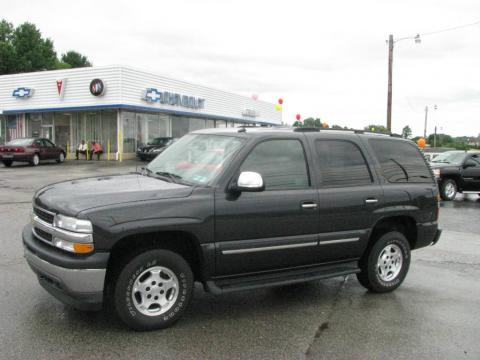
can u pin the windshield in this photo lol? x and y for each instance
(450, 157)
(195, 158)
(160, 141)
(20, 142)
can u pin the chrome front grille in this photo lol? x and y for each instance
(44, 215)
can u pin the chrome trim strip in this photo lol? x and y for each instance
(339, 241)
(60, 233)
(268, 248)
(41, 238)
(42, 209)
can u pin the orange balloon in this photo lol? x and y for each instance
(421, 142)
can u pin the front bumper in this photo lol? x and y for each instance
(76, 281)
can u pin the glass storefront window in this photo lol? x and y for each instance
(180, 126)
(220, 124)
(2, 130)
(196, 124)
(129, 135)
(209, 124)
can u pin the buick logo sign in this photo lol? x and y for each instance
(97, 87)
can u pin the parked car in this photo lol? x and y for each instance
(30, 150)
(457, 171)
(152, 149)
(234, 209)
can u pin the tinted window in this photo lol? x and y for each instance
(341, 163)
(281, 164)
(47, 143)
(400, 161)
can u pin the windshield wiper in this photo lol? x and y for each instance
(173, 177)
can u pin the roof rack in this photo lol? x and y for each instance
(355, 131)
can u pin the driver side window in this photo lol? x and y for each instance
(281, 163)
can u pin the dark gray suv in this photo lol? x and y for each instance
(234, 209)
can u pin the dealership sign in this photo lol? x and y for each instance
(22, 92)
(97, 87)
(250, 113)
(165, 97)
(61, 83)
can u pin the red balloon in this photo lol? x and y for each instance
(298, 117)
(280, 101)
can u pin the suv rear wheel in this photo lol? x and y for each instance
(153, 290)
(385, 265)
(448, 189)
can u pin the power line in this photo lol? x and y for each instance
(450, 29)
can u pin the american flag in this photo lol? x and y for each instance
(14, 128)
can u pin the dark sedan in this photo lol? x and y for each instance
(31, 151)
(153, 148)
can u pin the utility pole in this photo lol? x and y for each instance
(425, 128)
(435, 138)
(389, 96)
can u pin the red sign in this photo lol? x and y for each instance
(61, 87)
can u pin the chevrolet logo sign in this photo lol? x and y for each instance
(22, 92)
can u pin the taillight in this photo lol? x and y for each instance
(19, 149)
(2, 149)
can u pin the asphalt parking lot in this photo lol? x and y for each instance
(435, 314)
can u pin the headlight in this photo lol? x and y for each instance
(73, 224)
(436, 172)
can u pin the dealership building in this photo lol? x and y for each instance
(121, 107)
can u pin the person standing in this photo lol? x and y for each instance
(81, 149)
(96, 150)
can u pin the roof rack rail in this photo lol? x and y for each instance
(305, 129)
(355, 131)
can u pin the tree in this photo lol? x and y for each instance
(376, 128)
(7, 51)
(406, 132)
(75, 59)
(32, 52)
(23, 49)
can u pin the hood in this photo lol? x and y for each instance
(434, 165)
(151, 147)
(72, 197)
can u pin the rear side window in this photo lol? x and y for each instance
(341, 163)
(280, 162)
(401, 161)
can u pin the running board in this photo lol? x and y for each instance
(249, 282)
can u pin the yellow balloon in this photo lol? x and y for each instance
(278, 107)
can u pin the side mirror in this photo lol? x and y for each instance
(250, 181)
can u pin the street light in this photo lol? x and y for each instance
(390, 62)
(426, 116)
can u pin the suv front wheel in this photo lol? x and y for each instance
(385, 265)
(153, 290)
(448, 189)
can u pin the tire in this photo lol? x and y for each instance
(143, 268)
(7, 163)
(448, 189)
(393, 245)
(35, 160)
(61, 158)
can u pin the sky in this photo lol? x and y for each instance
(326, 59)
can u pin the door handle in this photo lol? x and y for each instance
(309, 205)
(371, 201)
